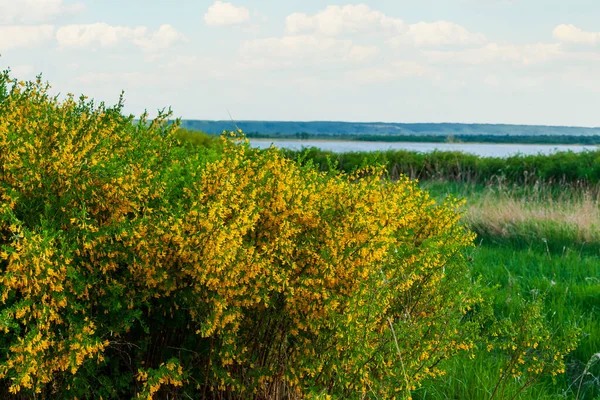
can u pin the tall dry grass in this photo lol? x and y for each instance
(505, 212)
(556, 217)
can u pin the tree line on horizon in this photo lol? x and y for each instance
(393, 131)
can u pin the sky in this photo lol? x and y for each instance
(484, 61)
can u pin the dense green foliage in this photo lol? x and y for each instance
(138, 261)
(197, 139)
(537, 242)
(135, 264)
(383, 129)
(561, 167)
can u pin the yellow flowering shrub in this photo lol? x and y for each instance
(528, 347)
(133, 266)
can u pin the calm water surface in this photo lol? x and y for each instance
(480, 149)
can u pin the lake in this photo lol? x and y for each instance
(479, 149)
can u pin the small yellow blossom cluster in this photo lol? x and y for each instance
(169, 374)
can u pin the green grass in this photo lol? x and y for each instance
(475, 379)
(543, 256)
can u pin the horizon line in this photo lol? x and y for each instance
(391, 123)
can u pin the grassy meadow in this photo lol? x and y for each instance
(535, 241)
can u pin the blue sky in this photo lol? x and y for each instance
(493, 61)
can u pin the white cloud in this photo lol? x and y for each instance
(162, 39)
(24, 36)
(223, 14)
(359, 53)
(351, 19)
(438, 33)
(35, 11)
(508, 82)
(291, 50)
(123, 79)
(22, 71)
(191, 66)
(572, 34)
(106, 35)
(581, 78)
(492, 80)
(337, 20)
(394, 71)
(500, 53)
(99, 33)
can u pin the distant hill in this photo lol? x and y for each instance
(381, 129)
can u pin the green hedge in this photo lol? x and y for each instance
(562, 167)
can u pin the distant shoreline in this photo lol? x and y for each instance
(403, 132)
(473, 139)
(482, 150)
(399, 142)
(398, 125)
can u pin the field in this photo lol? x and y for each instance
(537, 241)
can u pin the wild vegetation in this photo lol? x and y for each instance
(537, 220)
(135, 263)
(538, 241)
(561, 168)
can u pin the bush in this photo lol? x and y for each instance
(196, 138)
(134, 266)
